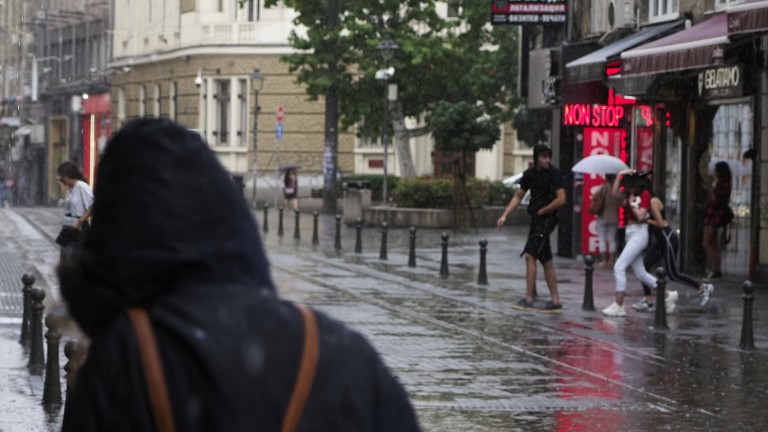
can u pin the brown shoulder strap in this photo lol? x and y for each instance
(306, 373)
(153, 370)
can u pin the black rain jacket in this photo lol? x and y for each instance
(172, 233)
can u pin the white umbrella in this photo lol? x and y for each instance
(737, 167)
(600, 164)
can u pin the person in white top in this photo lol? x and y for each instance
(78, 205)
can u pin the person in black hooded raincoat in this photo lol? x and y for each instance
(172, 233)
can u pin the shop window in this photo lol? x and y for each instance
(663, 10)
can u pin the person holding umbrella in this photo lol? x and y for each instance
(547, 195)
(291, 187)
(636, 207)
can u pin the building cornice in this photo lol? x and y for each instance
(206, 50)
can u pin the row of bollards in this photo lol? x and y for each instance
(383, 251)
(32, 338)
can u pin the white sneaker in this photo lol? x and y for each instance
(706, 293)
(669, 303)
(643, 306)
(615, 310)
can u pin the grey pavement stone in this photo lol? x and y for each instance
(469, 361)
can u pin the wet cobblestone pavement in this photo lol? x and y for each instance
(472, 363)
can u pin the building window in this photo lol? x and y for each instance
(453, 9)
(142, 101)
(120, 108)
(661, 10)
(156, 101)
(721, 4)
(172, 101)
(242, 97)
(204, 104)
(223, 99)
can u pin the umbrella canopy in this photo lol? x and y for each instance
(289, 166)
(600, 164)
(738, 168)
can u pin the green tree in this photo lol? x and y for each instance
(451, 60)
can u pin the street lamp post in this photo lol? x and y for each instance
(387, 47)
(258, 83)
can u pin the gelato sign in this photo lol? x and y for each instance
(721, 81)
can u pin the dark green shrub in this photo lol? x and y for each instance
(424, 193)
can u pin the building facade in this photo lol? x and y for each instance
(672, 86)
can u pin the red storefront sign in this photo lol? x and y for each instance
(610, 141)
(97, 110)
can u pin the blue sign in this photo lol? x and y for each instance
(279, 130)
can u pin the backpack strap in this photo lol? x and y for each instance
(153, 369)
(155, 377)
(306, 375)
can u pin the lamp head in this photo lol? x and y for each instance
(199, 78)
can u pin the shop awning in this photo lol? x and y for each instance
(747, 17)
(591, 67)
(696, 47)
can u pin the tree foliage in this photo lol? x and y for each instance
(463, 127)
(456, 61)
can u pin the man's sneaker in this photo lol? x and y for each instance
(524, 305)
(551, 308)
(706, 293)
(643, 306)
(669, 303)
(615, 310)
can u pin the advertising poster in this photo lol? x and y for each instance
(610, 141)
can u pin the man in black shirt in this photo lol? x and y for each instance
(547, 195)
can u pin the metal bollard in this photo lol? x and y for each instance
(482, 276)
(337, 243)
(75, 353)
(589, 300)
(265, 228)
(52, 386)
(280, 222)
(36, 355)
(383, 250)
(296, 233)
(28, 280)
(747, 339)
(444, 259)
(660, 319)
(412, 248)
(315, 238)
(358, 234)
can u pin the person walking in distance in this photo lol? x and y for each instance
(547, 188)
(715, 217)
(666, 248)
(78, 205)
(608, 222)
(636, 207)
(291, 188)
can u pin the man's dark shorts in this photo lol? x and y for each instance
(538, 237)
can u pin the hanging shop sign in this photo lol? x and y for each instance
(592, 115)
(529, 12)
(722, 81)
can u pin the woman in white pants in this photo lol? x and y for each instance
(636, 209)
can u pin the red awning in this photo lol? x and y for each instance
(747, 17)
(699, 46)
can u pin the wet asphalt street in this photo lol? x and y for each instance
(469, 361)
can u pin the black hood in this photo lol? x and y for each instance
(166, 215)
